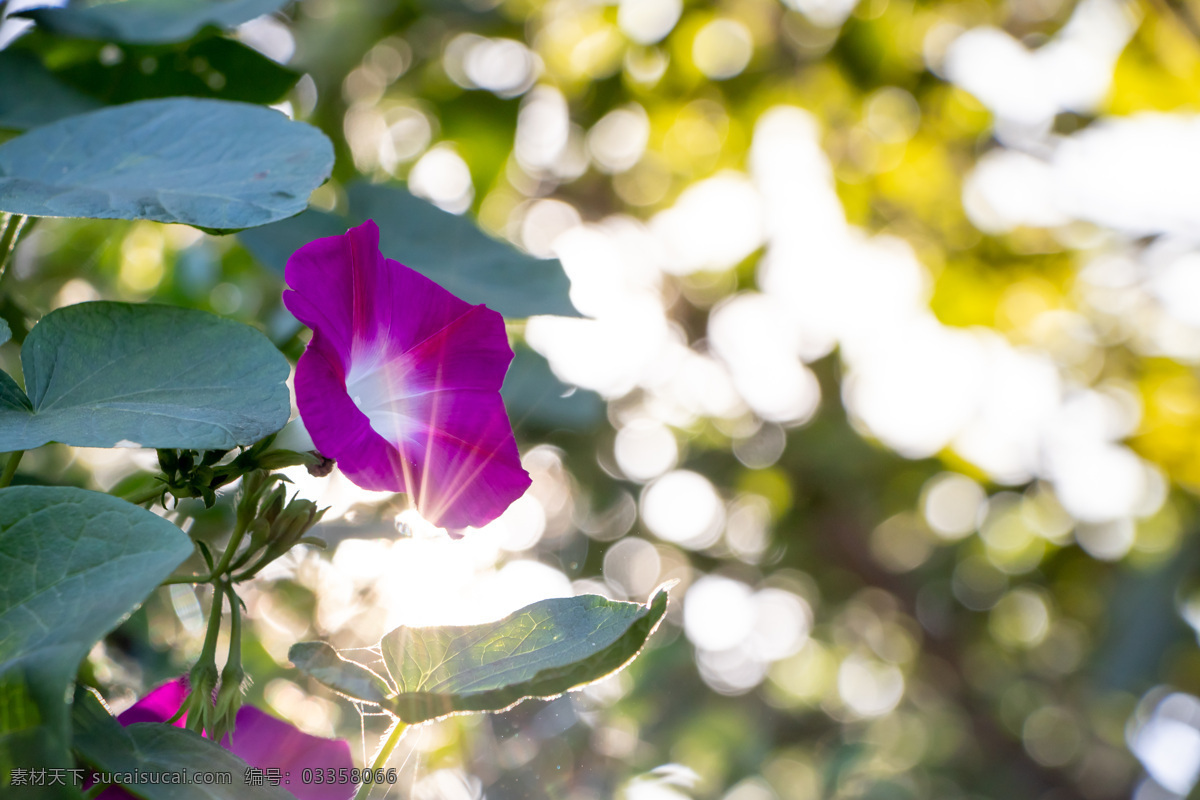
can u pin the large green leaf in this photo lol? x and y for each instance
(448, 248)
(31, 95)
(208, 163)
(146, 21)
(73, 564)
(99, 374)
(156, 748)
(542, 650)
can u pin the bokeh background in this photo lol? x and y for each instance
(889, 324)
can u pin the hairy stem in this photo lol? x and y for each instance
(394, 736)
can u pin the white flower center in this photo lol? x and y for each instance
(376, 386)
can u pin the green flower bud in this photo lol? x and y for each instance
(199, 704)
(273, 504)
(167, 462)
(229, 700)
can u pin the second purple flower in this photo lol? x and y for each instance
(400, 383)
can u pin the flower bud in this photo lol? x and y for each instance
(273, 503)
(199, 704)
(229, 700)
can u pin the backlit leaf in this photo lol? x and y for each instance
(322, 662)
(542, 650)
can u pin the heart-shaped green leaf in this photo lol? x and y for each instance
(542, 650)
(151, 747)
(217, 165)
(73, 563)
(101, 374)
(146, 21)
(448, 248)
(31, 95)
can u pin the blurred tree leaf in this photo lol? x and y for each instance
(73, 564)
(542, 650)
(147, 21)
(100, 373)
(5, 332)
(535, 396)
(157, 748)
(448, 248)
(31, 95)
(215, 67)
(209, 163)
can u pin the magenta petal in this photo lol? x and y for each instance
(338, 429)
(259, 739)
(471, 352)
(159, 705)
(266, 742)
(321, 301)
(345, 288)
(467, 470)
(400, 383)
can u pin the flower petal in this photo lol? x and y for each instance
(159, 705)
(343, 287)
(258, 739)
(266, 742)
(471, 352)
(452, 451)
(400, 383)
(337, 427)
(466, 468)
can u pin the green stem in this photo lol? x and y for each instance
(145, 495)
(235, 626)
(249, 572)
(203, 678)
(192, 579)
(209, 653)
(8, 240)
(235, 541)
(220, 569)
(394, 737)
(10, 469)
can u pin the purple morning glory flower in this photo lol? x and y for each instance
(401, 381)
(259, 739)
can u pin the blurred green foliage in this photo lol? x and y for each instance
(1019, 668)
